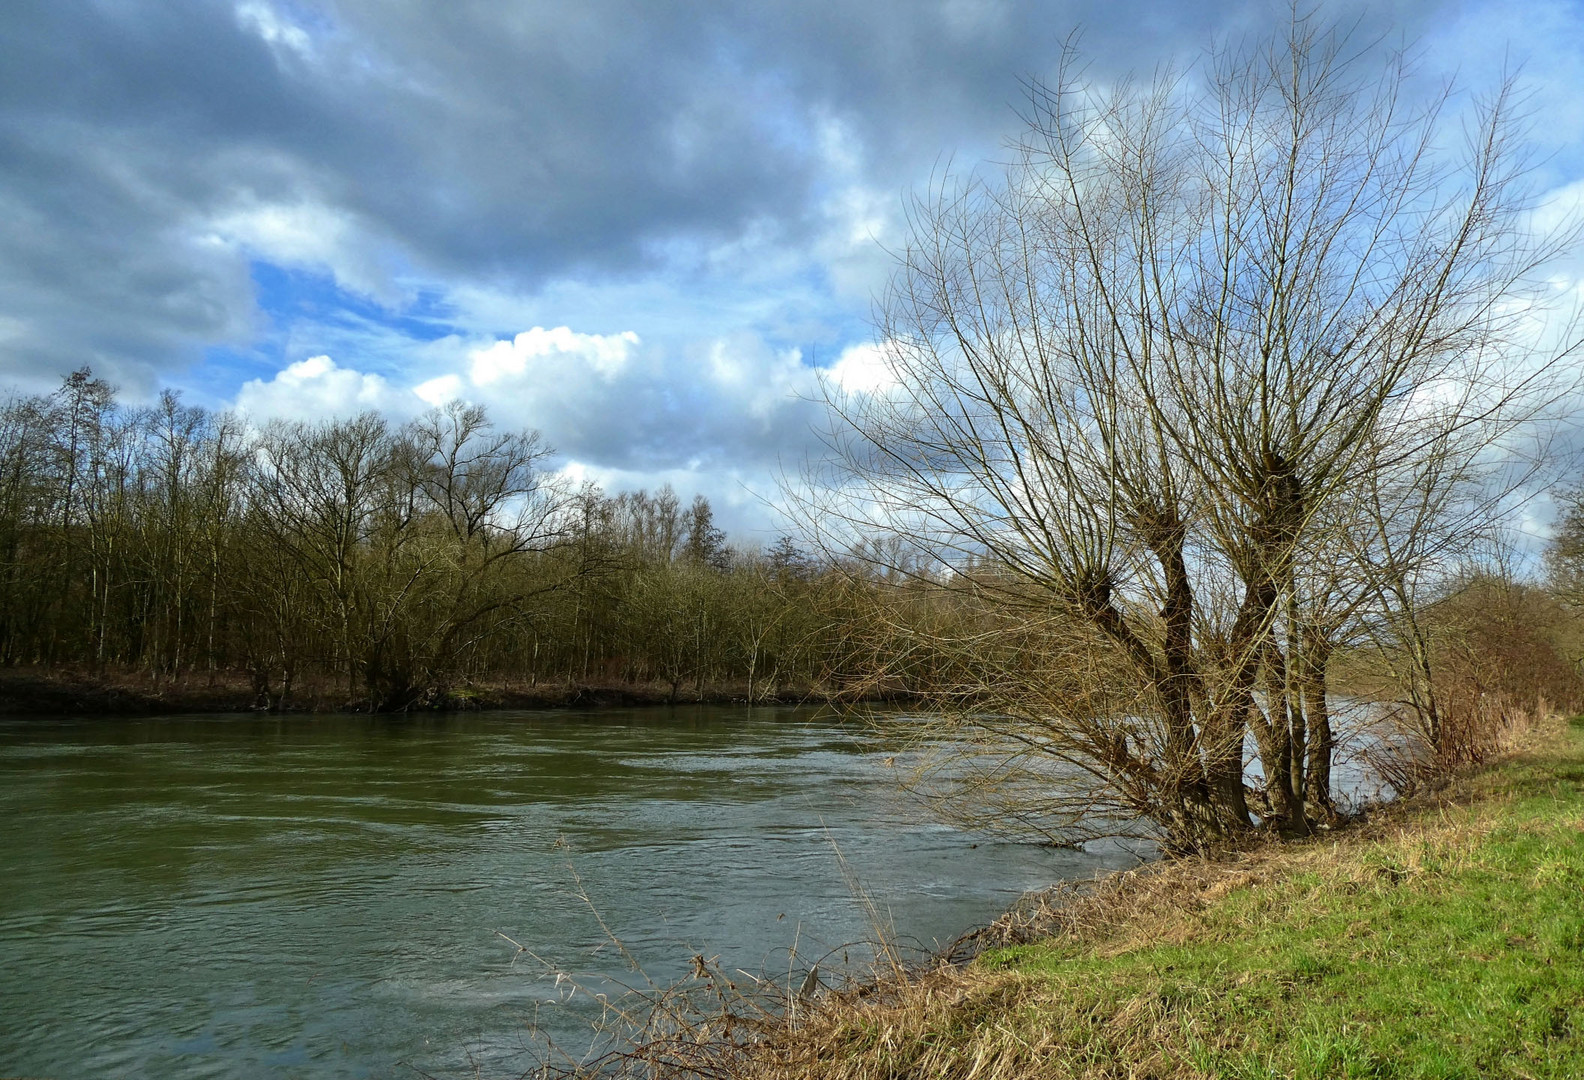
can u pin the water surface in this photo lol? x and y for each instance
(326, 896)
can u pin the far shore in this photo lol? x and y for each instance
(41, 691)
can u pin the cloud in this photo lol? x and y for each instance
(610, 401)
(151, 150)
(550, 352)
(209, 194)
(440, 390)
(276, 30)
(717, 416)
(862, 369)
(309, 234)
(318, 389)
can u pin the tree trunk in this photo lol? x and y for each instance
(1315, 657)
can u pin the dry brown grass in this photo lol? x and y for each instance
(997, 1018)
(972, 1021)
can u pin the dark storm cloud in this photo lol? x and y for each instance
(464, 141)
(562, 136)
(118, 128)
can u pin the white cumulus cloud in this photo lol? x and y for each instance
(862, 369)
(541, 351)
(317, 388)
(720, 416)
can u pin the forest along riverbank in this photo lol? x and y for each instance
(1442, 936)
(28, 691)
(332, 895)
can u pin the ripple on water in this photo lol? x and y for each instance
(325, 896)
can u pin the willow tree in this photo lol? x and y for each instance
(400, 547)
(1135, 384)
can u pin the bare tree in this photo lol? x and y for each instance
(1565, 553)
(498, 505)
(1142, 377)
(410, 564)
(409, 537)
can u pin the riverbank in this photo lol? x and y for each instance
(42, 691)
(1443, 937)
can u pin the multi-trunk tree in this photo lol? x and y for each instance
(1148, 388)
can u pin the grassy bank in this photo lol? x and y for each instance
(1441, 939)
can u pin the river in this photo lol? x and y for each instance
(332, 896)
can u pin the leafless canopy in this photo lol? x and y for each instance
(1153, 387)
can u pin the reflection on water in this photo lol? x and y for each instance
(325, 896)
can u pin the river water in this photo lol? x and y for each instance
(327, 896)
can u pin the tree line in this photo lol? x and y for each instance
(395, 564)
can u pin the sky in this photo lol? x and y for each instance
(643, 228)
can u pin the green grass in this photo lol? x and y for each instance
(1443, 939)
(1448, 944)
